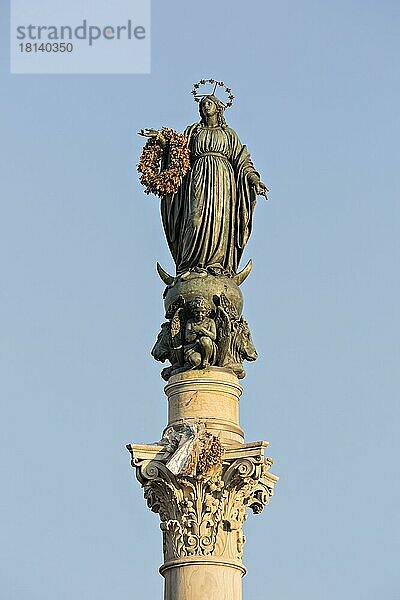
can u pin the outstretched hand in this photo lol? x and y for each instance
(146, 132)
(262, 190)
(153, 133)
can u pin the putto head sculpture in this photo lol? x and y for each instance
(199, 306)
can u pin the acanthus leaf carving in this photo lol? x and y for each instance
(204, 515)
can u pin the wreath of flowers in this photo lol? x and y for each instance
(216, 84)
(163, 183)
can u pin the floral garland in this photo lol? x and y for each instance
(168, 181)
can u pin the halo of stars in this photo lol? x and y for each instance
(217, 84)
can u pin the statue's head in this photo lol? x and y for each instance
(199, 307)
(209, 106)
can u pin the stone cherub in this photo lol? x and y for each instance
(195, 336)
(200, 348)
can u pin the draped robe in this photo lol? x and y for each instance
(208, 221)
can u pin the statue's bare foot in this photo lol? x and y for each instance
(199, 272)
(193, 274)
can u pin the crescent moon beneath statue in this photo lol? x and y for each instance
(243, 274)
(165, 277)
(238, 278)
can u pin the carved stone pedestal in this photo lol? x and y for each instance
(203, 505)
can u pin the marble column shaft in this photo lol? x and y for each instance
(202, 516)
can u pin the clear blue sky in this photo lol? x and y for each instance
(317, 86)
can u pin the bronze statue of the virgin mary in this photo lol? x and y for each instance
(208, 220)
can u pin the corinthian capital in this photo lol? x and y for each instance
(202, 514)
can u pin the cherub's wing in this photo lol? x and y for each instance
(179, 302)
(228, 307)
(223, 325)
(176, 330)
